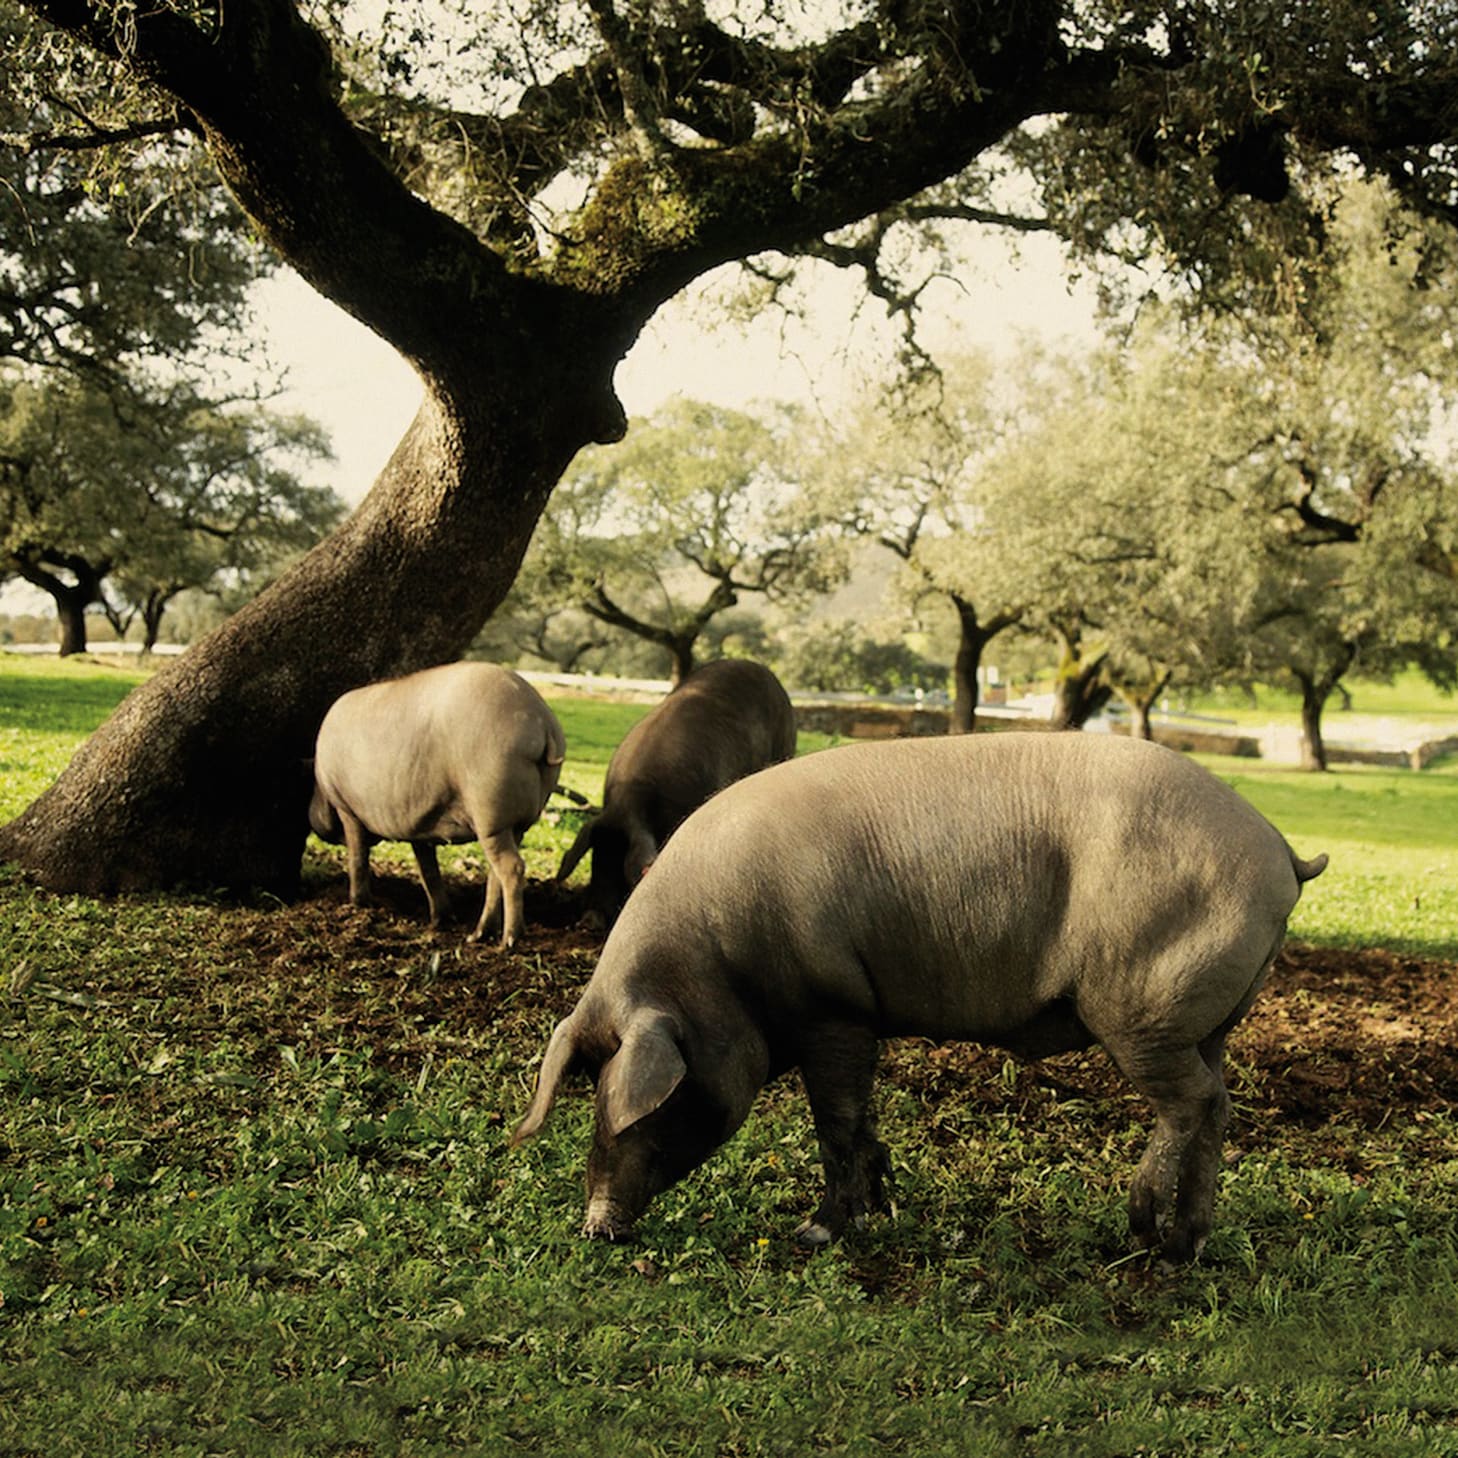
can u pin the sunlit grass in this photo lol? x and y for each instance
(1392, 836)
(1408, 696)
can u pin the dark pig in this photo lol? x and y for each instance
(466, 751)
(1039, 892)
(725, 720)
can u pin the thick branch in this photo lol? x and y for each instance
(639, 104)
(256, 85)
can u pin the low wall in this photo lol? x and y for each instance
(871, 721)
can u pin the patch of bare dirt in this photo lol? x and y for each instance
(1356, 1036)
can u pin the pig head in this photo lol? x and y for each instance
(1038, 892)
(466, 751)
(726, 720)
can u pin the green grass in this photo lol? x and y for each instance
(1408, 696)
(256, 1196)
(1392, 836)
(263, 1203)
(47, 707)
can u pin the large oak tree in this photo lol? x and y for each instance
(513, 247)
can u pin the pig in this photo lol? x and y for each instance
(465, 751)
(1037, 892)
(724, 721)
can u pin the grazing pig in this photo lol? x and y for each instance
(1039, 892)
(466, 751)
(724, 721)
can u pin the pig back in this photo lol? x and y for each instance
(429, 755)
(958, 887)
(726, 720)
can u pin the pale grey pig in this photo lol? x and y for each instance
(725, 720)
(1040, 892)
(466, 751)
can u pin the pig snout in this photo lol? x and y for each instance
(607, 1220)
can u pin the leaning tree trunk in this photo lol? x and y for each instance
(201, 776)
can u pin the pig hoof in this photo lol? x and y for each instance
(812, 1235)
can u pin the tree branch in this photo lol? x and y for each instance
(639, 105)
(93, 138)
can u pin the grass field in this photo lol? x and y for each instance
(256, 1194)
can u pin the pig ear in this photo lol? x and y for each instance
(580, 847)
(647, 1067)
(561, 1050)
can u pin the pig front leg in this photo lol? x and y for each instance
(838, 1065)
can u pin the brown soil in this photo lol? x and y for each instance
(1355, 1037)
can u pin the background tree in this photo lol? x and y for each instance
(839, 655)
(661, 535)
(512, 246)
(224, 513)
(160, 494)
(907, 473)
(1352, 459)
(63, 521)
(1109, 515)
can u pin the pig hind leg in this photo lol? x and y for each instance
(430, 877)
(838, 1064)
(1172, 1199)
(357, 845)
(505, 886)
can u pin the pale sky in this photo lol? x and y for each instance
(365, 396)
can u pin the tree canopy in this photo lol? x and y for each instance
(155, 495)
(1238, 499)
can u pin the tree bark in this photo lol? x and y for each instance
(71, 599)
(1314, 694)
(681, 659)
(1140, 703)
(71, 615)
(152, 611)
(1313, 746)
(1316, 688)
(1079, 691)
